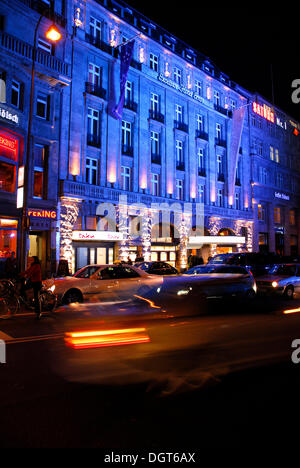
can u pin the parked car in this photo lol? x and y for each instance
(157, 268)
(224, 280)
(282, 279)
(104, 282)
(258, 263)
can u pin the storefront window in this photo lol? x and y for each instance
(8, 237)
(7, 177)
(38, 184)
(9, 148)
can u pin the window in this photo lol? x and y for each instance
(128, 92)
(217, 98)
(155, 145)
(91, 171)
(15, 93)
(177, 76)
(93, 130)
(198, 87)
(261, 213)
(279, 180)
(200, 122)
(263, 175)
(292, 218)
(8, 162)
(277, 155)
(153, 62)
(154, 102)
(271, 153)
(277, 214)
(179, 189)
(201, 161)
(43, 106)
(126, 137)
(40, 158)
(237, 201)
(179, 152)
(94, 75)
(220, 197)
(219, 164)
(8, 237)
(125, 178)
(44, 46)
(154, 184)
(178, 113)
(95, 29)
(201, 193)
(218, 131)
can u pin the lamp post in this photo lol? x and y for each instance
(54, 35)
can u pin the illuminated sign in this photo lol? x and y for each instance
(264, 111)
(282, 196)
(280, 123)
(180, 88)
(97, 235)
(40, 213)
(9, 147)
(8, 116)
(225, 240)
(20, 197)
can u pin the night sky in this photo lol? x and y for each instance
(246, 45)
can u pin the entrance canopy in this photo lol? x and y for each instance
(198, 241)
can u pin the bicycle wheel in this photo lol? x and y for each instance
(9, 305)
(48, 301)
(6, 288)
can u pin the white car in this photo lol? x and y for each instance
(102, 282)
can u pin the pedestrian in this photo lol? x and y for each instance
(11, 267)
(34, 276)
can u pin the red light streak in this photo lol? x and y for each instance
(102, 338)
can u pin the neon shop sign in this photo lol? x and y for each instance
(264, 111)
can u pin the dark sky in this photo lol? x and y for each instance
(244, 41)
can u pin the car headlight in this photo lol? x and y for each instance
(274, 284)
(52, 288)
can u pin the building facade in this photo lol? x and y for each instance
(170, 151)
(19, 22)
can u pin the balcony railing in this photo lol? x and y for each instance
(96, 42)
(221, 177)
(220, 142)
(180, 165)
(202, 135)
(23, 49)
(130, 104)
(155, 115)
(201, 172)
(93, 140)
(95, 90)
(181, 126)
(156, 158)
(221, 109)
(127, 150)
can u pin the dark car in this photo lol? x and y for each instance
(157, 268)
(258, 263)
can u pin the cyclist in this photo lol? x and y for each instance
(34, 275)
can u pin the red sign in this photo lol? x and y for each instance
(39, 213)
(264, 111)
(9, 147)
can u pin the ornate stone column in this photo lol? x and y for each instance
(69, 209)
(146, 234)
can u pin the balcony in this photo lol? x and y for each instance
(93, 140)
(131, 105)
(202, 135)
(127, 150)
(180, 165)
(221, 177)
(201, 172)
(221, 109)
(155, 115)
(181, 126)
(96, 42)
(156, 158)
(95, 90)
(220, 142)
(25, 50)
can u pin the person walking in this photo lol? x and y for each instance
(11, 267)
(34, 276)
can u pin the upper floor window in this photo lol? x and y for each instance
(218, 131)
(91, 170)
(154, 102)
(177, 75)
(154, 184)
(155, 145)
(201, 193)
(261, 212)
(198, 87)
(179, 189)
(178, 113)
(43, 106)
(277, 214)
(95, 28)
(237, 201)
(201, 160)
(126, 133)
(40, 160)
(93, 130)
(16, 94)
(220, 197)
(94, 74)
(179, 152)
(125, 178)
(200, 122)
(217, 100)
(154, 62)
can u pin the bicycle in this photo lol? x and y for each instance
(11, 298)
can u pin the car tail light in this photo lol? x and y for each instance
(101, 338)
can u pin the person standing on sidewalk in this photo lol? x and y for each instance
(34, 275)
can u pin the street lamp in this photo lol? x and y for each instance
(54, 35)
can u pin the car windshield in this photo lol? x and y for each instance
(86, 272)
(143, 266)
(283, 270)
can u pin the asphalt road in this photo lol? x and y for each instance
(221, 380)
